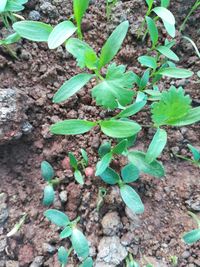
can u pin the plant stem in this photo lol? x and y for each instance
(194, 7)
(143, 23)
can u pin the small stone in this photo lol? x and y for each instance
(47, 248)
(3, 243)
(27, 127)
(3, 208)
(111, 223)
(26, 254)
(186, 254)
(34, 15)
(63, 196)
(12, 264)
(37, 262)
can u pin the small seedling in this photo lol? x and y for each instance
(130, 262)
(174, 260)
(194, 235)
(78, 165)
(70, 230)
(195, 155)
(109, 5)
(11, 39)
(17, 226)
(101, 195)
(48, 175)
(8, 9)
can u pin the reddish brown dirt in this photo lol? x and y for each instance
(39, 73)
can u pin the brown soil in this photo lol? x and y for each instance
(38, 73)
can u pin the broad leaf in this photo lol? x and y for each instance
(164, 14)
(3, 5)
(66, 232)
(79, 8)
(33, 30)
(115, 88)
(170, 28)
(144, 80)
(192, 236)
(167, 52)
(131, 199)
(60, 34)
(78, 177)
(12, 38)
(79, 243)
(13, 6)
(191, 117)
(119, 128)
(165, 3)
(195, 152)
(72, 127)
(152, 29)
(57, 217)
(104, 149)
(109, 176)
(47, 171)
(171, 108)
(62, 256)
(149, 3)
(148, 61)
(120, 147)
(49, 195)
(130, 173)
(87, 262)
(103, 164)
(154, 168)
(84, 54)
(113, 44)
(71, 87)
(157, 145)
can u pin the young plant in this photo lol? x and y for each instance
(101, 195)
(78, 165)
(130, 262)
(70, 230)
(8, 9)
(194, 235)
(109, 5)
(11, 39)
(195, 155)
(48, 175)
(17, 226)
(195, 6)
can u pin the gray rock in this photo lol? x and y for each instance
(48, 248)
(63, 196)
(2, 263)
(12, 264)
(3, 208)
(48, 8)
(26, 128)
(110, 251)
(111, 223)
(194, 202)
(34, 15)
(186, 254)
(3, 243)
(37, 262)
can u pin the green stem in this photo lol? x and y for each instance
(194, 216)
(143, 23)
(55, 181)
(194, 7)
(98, 75)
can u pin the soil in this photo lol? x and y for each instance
(38, 73)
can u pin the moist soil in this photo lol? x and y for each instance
(38, 73)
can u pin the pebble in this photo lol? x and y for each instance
(3, 208)
(111, 223)
(37, 262)
(47, 248)
(186, 254)
(63, 196)
(34, 15)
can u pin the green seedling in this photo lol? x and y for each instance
(174, 260)
(79, 243)
(101, 195)
(48, 175)
(195, 155)
(17, 226)
(11, 39)
(195, 6)
(8, 9)
(78, 165)
(130, 262)
(194, 235)
(109, 5)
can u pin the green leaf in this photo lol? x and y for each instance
(103, 164)
(104, 149)
(73, 161)
(113, 44)
(148, 61)
(154, 168)
(152, 29)
(79, 8)
(49, 195)
(165, 3)
(84, 155)
(195, 152)
(60, 34)
(12, 38)
(115, 88)
(84, 54)
(149, 3)
(109, 176)
(157, 145)
(190, 118)
(33, 30)
(79, 243)
(47, 171)
(130, 173)
(13, 6)
(119, 128)
(78, 177)
(144, 80)
(171, 108)
(167, 52)
(192, 236)
(66, 232)
(57, 217)
(164, 14)
(71, 87)
(68, 127)
(120, 147)
(62, 256)
(87, 262)
(170, 28)
(131, 199)
(3, 5)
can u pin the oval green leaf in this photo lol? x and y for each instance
(175, 73)
(3, 5)
(167, 52)
(130, 173)
(109, 176)
(62, 256)
(164, 14)
(49, 195)
(148, 61)
(192, 236)
(57, 217)
(66, 232)
(103, 163)
(78, 177)
(87, 263)
(152, 29)
(79, 243)
(47, 171)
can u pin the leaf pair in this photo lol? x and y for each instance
(12, 5)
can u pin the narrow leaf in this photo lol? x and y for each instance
(3, 5)
(66, 232)
(73, 161)
(170, 28)
(195, 152)
(152, 29)
(49, 195)
(78, 177)
(120, 147)
(167, 52)
(192, 236)
(87, 262)
(104, 149)
(175, 73)
(164, 14)
(62, 256)
(103, 164)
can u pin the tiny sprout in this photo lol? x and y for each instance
(130, 262)
(101, 195)
(194, 235)
(195, 156)
(174, 260)
(17, 226)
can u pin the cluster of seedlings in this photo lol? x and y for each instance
(112, 91)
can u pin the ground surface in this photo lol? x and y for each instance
(38, 73)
